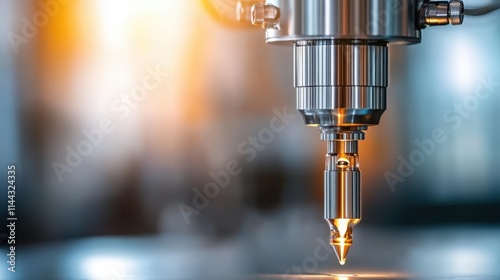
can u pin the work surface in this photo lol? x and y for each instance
(445, 253)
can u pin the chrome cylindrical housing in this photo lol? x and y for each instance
(342, 181)
(381, 20)
(341, 56)
(341, 82)
(342, 194)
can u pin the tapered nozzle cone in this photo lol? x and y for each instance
(341, 252)
(341, 236)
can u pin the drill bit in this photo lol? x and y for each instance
(342, 188)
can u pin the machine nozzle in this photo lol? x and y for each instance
(341, 75)
(342, 187)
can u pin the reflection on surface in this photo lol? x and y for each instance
(454, 256)
(335, 276)
(106, 267)
(379, 275)
(366, 276)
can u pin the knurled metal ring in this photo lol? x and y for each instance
(456, 12)
(346, 136)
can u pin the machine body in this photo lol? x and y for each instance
(341, 78)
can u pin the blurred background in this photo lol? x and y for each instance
(181, 89)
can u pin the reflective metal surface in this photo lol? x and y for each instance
(265, 15)
(342, 194)
(341, 87)
(441, 13)
(341, 83)
(341, 78)
(342, 181)
(387, 20)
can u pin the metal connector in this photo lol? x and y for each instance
(265, 15)
(244, 10)
(441, 13)
(456, 12)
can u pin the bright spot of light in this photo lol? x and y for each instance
(120, 19)
(342, 276)
(468, 260)
(433, 257)
(465, 62)
(368, 275)
(106, 267)
(114, 15)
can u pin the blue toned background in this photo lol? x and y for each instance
(184, 89)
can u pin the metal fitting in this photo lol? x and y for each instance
(244, 10)
(337, 133)
(341, 82)
(456, 12)
(441, 13)
(265, 15)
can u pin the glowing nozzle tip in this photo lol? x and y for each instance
(341, 237)
(341, 251)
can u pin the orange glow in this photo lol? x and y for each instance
(341, 236)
